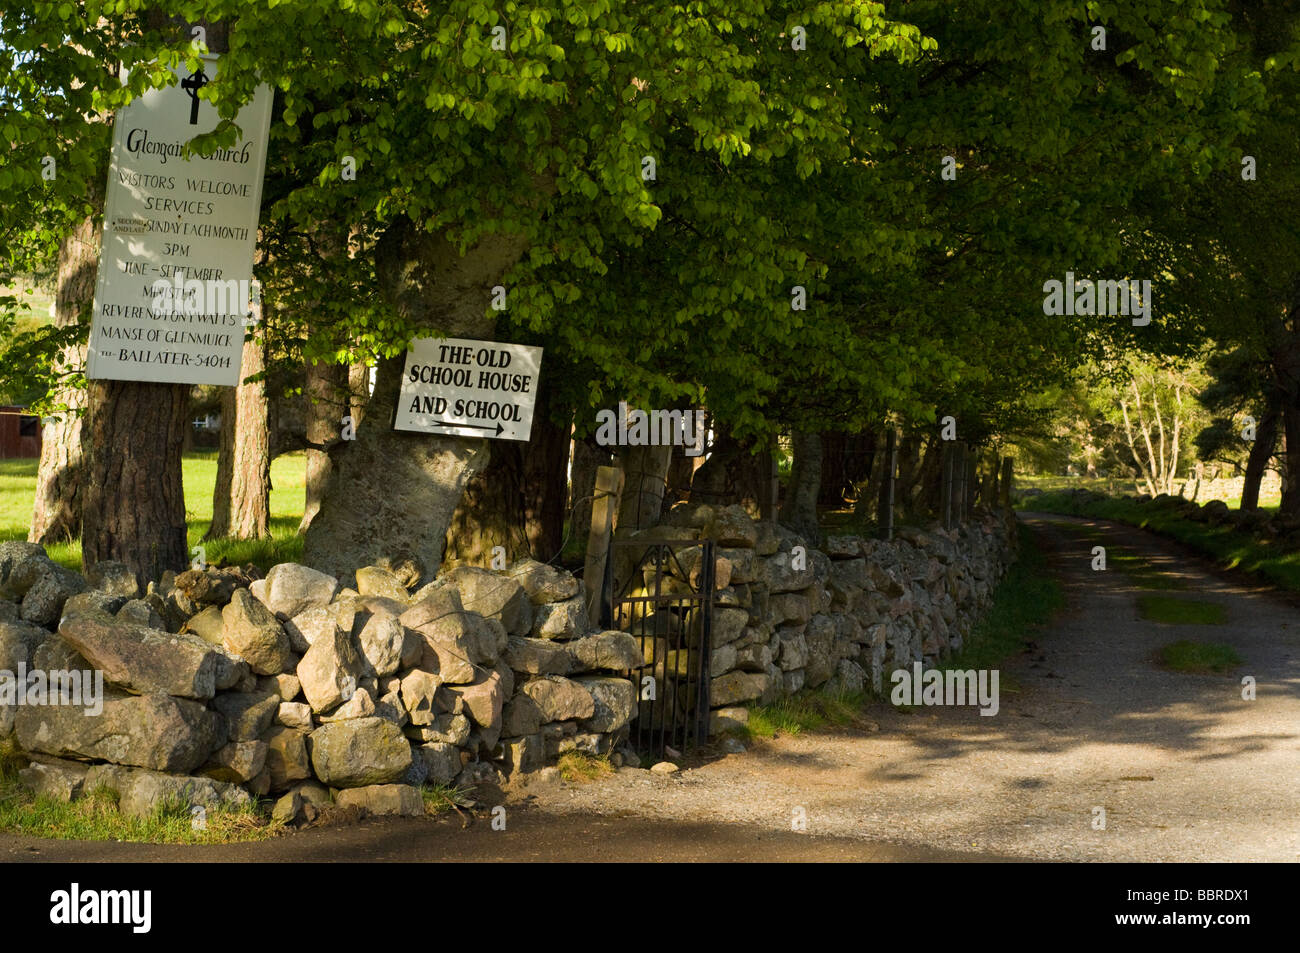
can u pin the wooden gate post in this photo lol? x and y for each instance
(885, 509)
(609, 487)
(1006, 483)
(945, 484)
(972, 485)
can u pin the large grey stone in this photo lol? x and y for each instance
(286, 757)
(359, 752)
(149, 731)
(377, 581)
(330, 671)
(441, 761)
(561, 620)
(403, 800)
(58, 780)
(381, 639)
(482, 700)
(780, 574)
(292, 589)
(252, 632)
(735, 687)
(21, 565)
(520, 716)
(560, 699)
(144, 660)
(544, 583)
(418, 691)
(491, 594)
(248, 714)
(609, 650)
(142, 792)
(238, 762)
(540, 657)
(43, 602)
(613, 700)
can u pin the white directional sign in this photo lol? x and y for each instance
(176, 266)
(469, 388)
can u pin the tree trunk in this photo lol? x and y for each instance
(516, 501)
(732, 474)
(134, 508)
(645, 476)
(1261, 452)
(220, 527)
(582, 486)
(326, 408)
(60, 478)
(358, 390)
(392, 494)
(241, 500)
(1291, 478)
(799, 511)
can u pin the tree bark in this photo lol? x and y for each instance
(1291, 478)
(799, 512)
(732, 474)
(1261, 452)
(134, 508)
(241, 504)
(326, 408)
(582, 485)
(60, 478)
(516, 501)
(392, 494)
(645, 473)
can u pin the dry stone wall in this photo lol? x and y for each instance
(788, 615)
(219, 685)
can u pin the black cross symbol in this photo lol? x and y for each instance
(192, 85)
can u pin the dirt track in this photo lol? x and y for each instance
(1185, 769)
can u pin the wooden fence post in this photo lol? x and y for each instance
(609, 487)
(885, 509)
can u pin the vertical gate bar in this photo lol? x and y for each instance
(654, 606)
(706, 645)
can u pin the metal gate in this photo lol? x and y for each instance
(662, 594)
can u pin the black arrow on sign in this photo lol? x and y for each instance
(449, 423)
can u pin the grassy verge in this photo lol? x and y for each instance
(1199, 658)
(806, 711)
(1173, 611)
(199, 472)
(576, 766)
(440, 798)
(1024, 601)
(95, 816)
(1228, 546)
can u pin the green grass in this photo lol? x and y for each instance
(1198, 657)
(1024, 601)
(199, 472)
(441, 798)
(1229, 547)
(1139, 571)
(1181, 611)
(1114, 486)
(95, 816)
(578, 767)
(805, 711)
